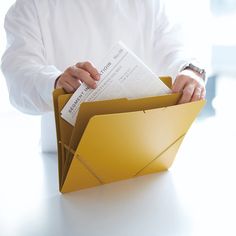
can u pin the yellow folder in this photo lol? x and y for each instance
(120, 138)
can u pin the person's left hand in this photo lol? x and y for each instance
(191, 85)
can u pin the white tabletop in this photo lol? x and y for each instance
(195, 197)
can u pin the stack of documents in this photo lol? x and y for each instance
(123, 75)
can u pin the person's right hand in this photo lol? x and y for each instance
(73, 76)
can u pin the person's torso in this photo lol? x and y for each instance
(84, 30)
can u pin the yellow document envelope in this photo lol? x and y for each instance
(120, 139)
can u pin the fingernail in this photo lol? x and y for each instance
(95, 86)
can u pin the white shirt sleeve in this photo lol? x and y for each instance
(30, 79)
(169, 42)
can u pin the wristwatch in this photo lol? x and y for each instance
(196, 69)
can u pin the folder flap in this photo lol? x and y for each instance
(56, 94)
(164, 160)
(166, 80)
(78, 177)
(90, 109)
(63, 129)
(117, 146)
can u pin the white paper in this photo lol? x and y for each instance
(123, 74)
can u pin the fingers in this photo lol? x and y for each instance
(68, 87)
(191, 89)
(82, 75)
(87, 66)
(197, 94)
(71, 79)
(192, 93)
(179, 84)
(187, 93)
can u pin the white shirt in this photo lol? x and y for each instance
(46, 36)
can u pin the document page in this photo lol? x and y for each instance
(123, 75)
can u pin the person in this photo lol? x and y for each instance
(57, 44)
